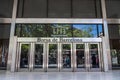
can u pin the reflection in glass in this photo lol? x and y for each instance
(24, 59)
(6, 7)
(66, 55)
(52, 56)
(38, 58)
(3, 54)
(59, 9)
(84, 30)
(58, 30)
(61, 30)
(94, 55)
(115, 54)
(86, 9)
(31, 30)
(32, 9)
(112, 8)
(80, 51)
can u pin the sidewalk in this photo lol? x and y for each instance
(111, 75)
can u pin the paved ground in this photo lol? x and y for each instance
(111, 75)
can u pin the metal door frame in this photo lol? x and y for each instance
(75, 58)
(100, 58)
(61, 62)
(87, 58)
(18, 57)
(44, 58)
(33, 41)
(47, 58)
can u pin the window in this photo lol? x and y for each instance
(4, 44)
(114, 31)
(4, 31)
(59, 8)
(86, 9)
(114, 37)
(6, 7)
(58, 30)
(32, 9)
(80, 30)
(113, 8)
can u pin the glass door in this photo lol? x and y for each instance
(94, 57)
(39, 55)
(52, 57)
(80, 57)
(87, 57)
(24, 57)
(66, 57)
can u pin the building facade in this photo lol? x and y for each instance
(59, 35)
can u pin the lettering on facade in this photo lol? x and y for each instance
(61, 40)
(70, 40)
(59, 31)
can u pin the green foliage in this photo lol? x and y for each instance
(41, 30)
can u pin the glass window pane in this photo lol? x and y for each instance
(38, 56)
(80, 55)
(85, 30)
(25, 53)
(58, 30)
(86, 9)
(114, 38)
(43, 30)
(53, 56)
(4, 31)
(66, 56)
(6, 7)
(4, 44)
(114, 31)
(30, 30)
(115, 58)
(113, 8)
(100, 30)
(32, 8)
(94, 56)
(59, 8)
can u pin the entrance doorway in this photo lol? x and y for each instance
(88, 57)
(35, 56)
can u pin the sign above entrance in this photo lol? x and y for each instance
(60, 40)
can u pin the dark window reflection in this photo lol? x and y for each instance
(59, 8)
(58, 30)
(53, 53)
(3, 53)
(86, 8)
(4, 44)
(32, 9)
(6, 7)
(113, 8)
(115, 54)
(114, 38)
(80, 55)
